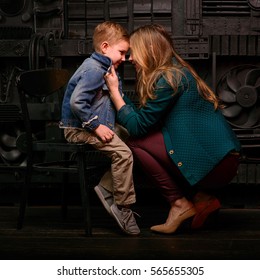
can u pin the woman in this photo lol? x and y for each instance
(179, 136)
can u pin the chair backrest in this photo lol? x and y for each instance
(42, 82)
(38, 83)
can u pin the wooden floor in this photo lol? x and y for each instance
(233, 234)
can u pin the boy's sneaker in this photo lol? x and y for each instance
(125, 219)
(105, 197)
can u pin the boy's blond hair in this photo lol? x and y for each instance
(109, 31)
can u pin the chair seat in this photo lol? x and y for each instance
(69, 166)
(60, 145)
(94, 157)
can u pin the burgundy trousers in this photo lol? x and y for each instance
(150, 153)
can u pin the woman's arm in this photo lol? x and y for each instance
(139, 122)
(113, 85)
(151, 116)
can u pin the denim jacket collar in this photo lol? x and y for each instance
(104, 60)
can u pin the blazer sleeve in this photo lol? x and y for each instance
(139, 122)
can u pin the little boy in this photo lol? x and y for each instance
(88, 116)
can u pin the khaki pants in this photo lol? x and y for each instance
(118, 180)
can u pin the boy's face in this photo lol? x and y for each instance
(116, 52)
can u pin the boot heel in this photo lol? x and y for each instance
(186, 225)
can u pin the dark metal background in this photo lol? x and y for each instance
(219, 38)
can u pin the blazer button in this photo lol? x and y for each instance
(179, 163)
(171, 152)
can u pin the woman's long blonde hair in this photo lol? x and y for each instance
(153, 51)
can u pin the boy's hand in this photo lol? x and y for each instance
(104, 133)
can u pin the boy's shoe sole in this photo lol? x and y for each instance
(105, 197)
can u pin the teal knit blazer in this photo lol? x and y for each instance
(196, 136)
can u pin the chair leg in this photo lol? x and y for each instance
(64, 197)
(84, 193)
(23, 198)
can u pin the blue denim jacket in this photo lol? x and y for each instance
(86, 102)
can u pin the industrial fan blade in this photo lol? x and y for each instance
(253, 117)
(8, 140)
(239, 91)
(8, 145)
(10, 156)
(240, 120)
(227, 96)
(232, 111)
(252, 77)
(232, 81)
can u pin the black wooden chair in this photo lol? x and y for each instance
(41, 84)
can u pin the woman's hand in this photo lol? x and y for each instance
(112, 80)
(113, 86)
